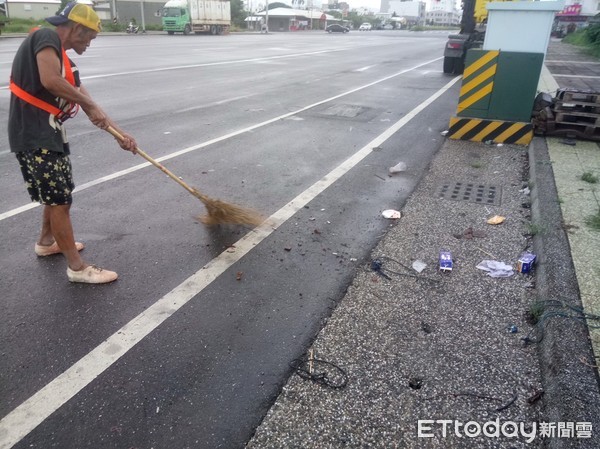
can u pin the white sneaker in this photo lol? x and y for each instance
(92, 275)
(43, 251)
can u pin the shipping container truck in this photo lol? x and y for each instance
(198, 16)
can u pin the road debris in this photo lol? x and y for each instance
(320, 372)
(419, 265)
(399, 167)
(496, 220)
(525, 262)
(470, 233)
(445, 261)
(495, 268)
(391, 214)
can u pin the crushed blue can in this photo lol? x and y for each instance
(525, 262)
(445, 261)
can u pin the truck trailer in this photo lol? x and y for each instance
(198, 16)
(472, 35)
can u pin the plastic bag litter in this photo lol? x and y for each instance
(419, 265)
(391, 213)
(399, 167)
(496, 269)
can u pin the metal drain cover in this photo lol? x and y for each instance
(344, 110)
(472, 192)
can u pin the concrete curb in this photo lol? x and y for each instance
(571, 384)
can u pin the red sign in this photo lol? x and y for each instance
(323, 17)
(571, 10)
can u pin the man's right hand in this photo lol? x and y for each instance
(97, 116)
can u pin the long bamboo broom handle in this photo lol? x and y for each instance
(157, 164)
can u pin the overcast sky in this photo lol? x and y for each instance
(373, 5)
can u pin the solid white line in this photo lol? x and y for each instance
(363, 69)
(27, 416)
(216, 103)
(556, 75)
(18, 210)
(569, 62)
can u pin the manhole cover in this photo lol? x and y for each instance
(344, 110)
(470, 191)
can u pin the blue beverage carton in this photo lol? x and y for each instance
(445, 261)
(525, 262)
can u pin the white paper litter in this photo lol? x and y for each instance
(496, 269)
(391, 213)
(399, 167)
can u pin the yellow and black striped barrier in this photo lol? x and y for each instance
(478, 84)
(491, 105)
(483, 130)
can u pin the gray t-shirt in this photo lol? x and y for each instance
(30, 127)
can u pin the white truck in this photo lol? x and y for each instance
(199, 16)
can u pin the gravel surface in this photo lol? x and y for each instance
(435, 345)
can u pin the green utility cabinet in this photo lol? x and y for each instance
(499, 85)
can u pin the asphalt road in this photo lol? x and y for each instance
(191, 345)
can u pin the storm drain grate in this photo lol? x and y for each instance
(470, 191)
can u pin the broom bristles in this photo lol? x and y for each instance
(220, 212)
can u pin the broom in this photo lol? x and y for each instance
(218, 212)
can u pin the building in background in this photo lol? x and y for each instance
(287, 19)
(384, 7)
(412, 11)
(443, 13)
(31, 9)
(575, 14)
(140, 12)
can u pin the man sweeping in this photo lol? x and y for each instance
(46, 91)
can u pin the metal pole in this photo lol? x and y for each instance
(267, 17)
(143, 19)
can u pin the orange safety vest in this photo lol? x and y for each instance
(60, 114)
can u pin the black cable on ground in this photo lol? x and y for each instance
(321, 372)
(377, 267)
(557, 309)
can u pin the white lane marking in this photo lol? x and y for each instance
(547, 61)
(363, 69)
(216, 103)
(557, 75)
(118, 174)
(205, 64)
(27, 416)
